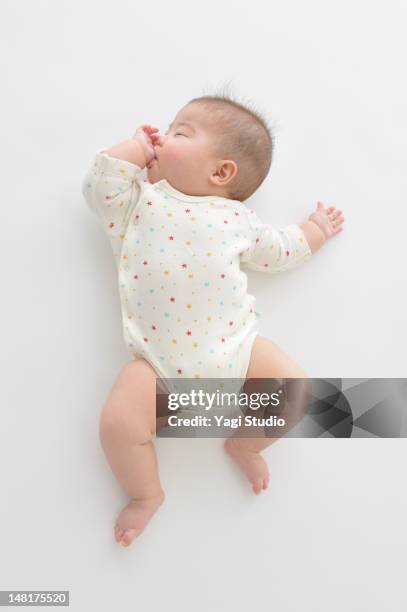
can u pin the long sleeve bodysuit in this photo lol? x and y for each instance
(180, 262)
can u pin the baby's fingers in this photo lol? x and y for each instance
(337, 222)
(331, 209)
(149, 129)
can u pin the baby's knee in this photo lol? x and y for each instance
(300, 373)
(297, 396)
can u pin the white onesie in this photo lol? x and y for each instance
(185, 306)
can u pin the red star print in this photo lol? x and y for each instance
(187, 210)
(225, 221)
(153, 327)
(189, 332)
(184, 265)
(145, 262)
(172, 299)
(171, 237)
(145, 339)
(149, 203)
(111, 224)
(222, 276)
(179, 371)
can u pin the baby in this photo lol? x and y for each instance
(181, 241)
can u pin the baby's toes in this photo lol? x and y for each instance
(257, 486)
(118, 533)
(129, 536)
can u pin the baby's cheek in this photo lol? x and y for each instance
(177, 154)
(176, 159)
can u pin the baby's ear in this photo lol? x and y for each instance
(227, 170)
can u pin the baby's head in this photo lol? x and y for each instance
(214, 146)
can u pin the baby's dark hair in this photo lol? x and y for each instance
(244, 136)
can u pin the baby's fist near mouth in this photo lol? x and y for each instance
(145, 135)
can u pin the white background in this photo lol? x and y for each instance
(330, 533)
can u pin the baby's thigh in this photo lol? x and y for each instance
(132, 401)
(268, 360)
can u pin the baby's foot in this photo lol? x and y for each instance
(134, 517)
(251, 462)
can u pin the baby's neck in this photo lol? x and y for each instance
(212, 191)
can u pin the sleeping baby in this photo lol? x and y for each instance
(182, 239)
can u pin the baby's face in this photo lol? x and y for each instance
(185, 154)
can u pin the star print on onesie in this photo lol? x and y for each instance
(181, 263)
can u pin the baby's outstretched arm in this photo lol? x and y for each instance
(275, 250)
(322, 224)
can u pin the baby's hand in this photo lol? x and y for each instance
(145, 136)
(327, 219)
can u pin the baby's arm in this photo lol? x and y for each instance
(128, 150)
(138, 150)
(112, 188)
(274, 249)
(113, 184)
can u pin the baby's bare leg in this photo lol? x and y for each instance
(127, 426)
(267, 361)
